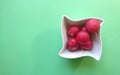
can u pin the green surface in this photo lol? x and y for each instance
(30, 37)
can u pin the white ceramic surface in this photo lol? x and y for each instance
(95, 52)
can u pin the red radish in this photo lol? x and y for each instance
(82, 37)
(72, 44)
(93, 26)
(88, 46)
(73, 30)
(83, 29)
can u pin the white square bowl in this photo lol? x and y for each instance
(95, 52)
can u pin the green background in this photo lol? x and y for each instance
(30, 37)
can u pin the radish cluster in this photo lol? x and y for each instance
(80, 37)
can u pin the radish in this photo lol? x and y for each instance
(72, 44)
(73, 30)
(82, 37)
(88, 46)
(93, 26)
(83, 29)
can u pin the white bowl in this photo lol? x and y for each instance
(95, 52)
